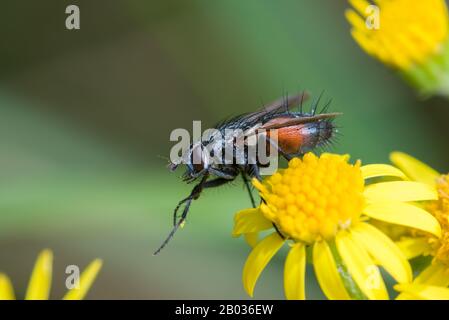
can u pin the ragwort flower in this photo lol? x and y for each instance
(433, 281)
(324, 204)
(409, 35)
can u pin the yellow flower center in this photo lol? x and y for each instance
(408, 31)
(314, 197)
(440, 209)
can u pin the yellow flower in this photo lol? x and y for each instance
(432, 283)
(408, 35)
(324, 204)
(40, 281)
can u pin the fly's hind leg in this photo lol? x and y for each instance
(278, 232)
(257, 174)
(255, 171)
(245, 179)
(287, 156)
(248, 187)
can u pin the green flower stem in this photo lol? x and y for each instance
(432, 77)
(351, 287)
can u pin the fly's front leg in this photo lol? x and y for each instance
(194, 194)
(223, 178)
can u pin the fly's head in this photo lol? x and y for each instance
(195, 161)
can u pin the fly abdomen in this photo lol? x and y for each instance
(302, 138)
(296, 139)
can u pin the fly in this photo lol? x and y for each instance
(297, 132)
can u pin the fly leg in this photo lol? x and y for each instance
(248, 187)
(195, 194)
(277, 230)
(256, 172)
(225, 177)
(245, 179)
(287, 156)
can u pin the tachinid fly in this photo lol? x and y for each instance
(290, 133)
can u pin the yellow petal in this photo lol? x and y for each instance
(259, 186)
(85, 282)
(413, 168)
(364, 41)
(404, 214)
(435, 274)
(250, 220)
(400, 191)
(361, 267)
(380, 170)
(406, 296)
(6, 289)
(40, 281)
(327, 273)
(360, 6)
(295, 272)
(355, 20)
(252, 238)
(413, 247)
(424, 291)
(384, 251)
(258, 259)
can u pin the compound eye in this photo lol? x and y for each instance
(172, 166)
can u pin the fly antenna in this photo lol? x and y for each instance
(163, 157)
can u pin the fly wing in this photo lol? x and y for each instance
(300, 120)
(286, 102)
(250, 120)
(276, 106)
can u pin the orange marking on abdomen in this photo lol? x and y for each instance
(290, 139)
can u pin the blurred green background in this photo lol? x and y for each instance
(86, 117)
